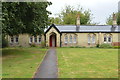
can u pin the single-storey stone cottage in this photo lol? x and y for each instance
(71, 35)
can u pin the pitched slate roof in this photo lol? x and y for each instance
(87, 28)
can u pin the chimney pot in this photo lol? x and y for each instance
(78, 22)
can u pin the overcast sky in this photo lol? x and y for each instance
(101, 9)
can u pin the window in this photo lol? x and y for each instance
(70, 39)
(66, 39)
(12, 39)
(93, 39)
(35, 38)
(16, 39)
(109, 39)
(31, 39)
(89, 37)
(105, 39)
(75, 39)
(39, 40)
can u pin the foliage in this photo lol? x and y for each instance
(4, 42)
(116, 47)
(105, 45)
(68, 16)
(110, 19)
(98, 45)
(32, 45)
(118, 18)
(56, 20)
(24, 17)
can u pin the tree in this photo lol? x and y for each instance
(68, 16)
(118, 18)
(24, 17)
(55, 20)
(110, 19)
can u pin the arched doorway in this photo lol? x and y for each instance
(52, 40)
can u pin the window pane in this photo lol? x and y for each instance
(75, 39)
(70, 39)
(105, 39)
(16, 38)
(12, 40)
(39, 39)
(31, 39)
(89, 38)
(66, 39)
(109, 39)
(93, 39)
(35, 38)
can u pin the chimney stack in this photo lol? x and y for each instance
(78, 22)
(114, 22)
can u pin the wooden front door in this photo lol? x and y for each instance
(53, 41)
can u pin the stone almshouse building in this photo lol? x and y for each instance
(71, 35)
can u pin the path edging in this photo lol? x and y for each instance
(40, 63)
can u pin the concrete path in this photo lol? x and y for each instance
(48, 68)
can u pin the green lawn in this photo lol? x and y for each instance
(87, 63)
(21, 62)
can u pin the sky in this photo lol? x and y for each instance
(101, 9)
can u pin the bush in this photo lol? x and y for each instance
(32, 45)
(43, 44)
(97, 45)
(4, 42)
(116, 47)
(105, 46)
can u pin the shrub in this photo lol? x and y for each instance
(116, 47)
(77, 46)
(97, 45)
(105, 46)
(71, 46)
(32, 45)
(43, 44)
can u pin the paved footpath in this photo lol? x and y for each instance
(48, 67)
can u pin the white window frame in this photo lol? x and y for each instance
(35, 39)
(70, 39)
(31, 37)
(93, 39)
(11, 37)
(104, 39)
(15, 38)
(75, 39)
(89, 39)
(110, 39)
(39, 39)
(66, 39)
